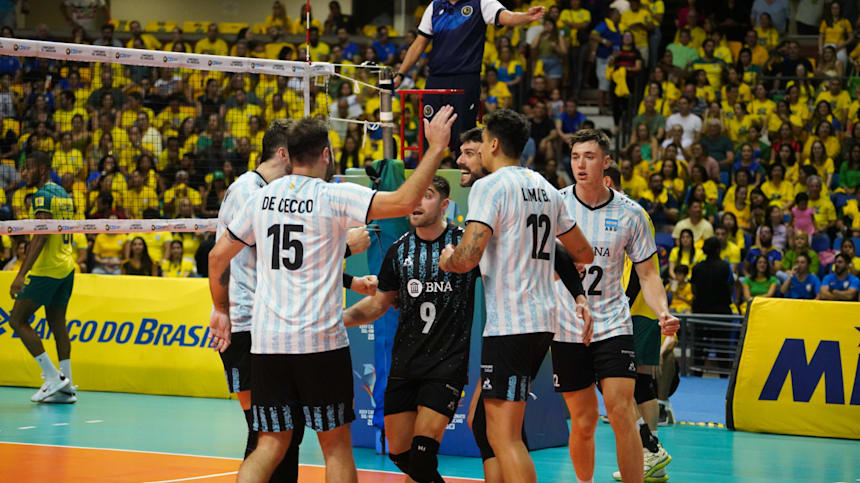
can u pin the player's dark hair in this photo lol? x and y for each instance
(801, 198)
(145, 260)
(587, 135)
(309, 138)
(40, 159)
(441, 185)
(472, 136)
(803, 255)
(712, 247)
(844, 258)
(275, 137)
(511, 129)
(614, 174)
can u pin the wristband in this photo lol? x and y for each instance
(347, 280)
(566, 270)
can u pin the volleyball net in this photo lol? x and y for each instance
(148, 140)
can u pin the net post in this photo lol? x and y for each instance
(386, 117)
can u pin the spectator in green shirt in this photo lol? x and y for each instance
(849, 173)
(760, 283)
(683, 53)
(799, 244)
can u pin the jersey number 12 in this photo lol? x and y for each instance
(538, 223)
(281, 241)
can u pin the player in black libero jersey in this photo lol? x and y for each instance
(430, 356)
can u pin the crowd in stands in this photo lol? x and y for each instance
(728, 127)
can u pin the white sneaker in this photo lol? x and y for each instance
(654, 466)
(72, 390)
(49, 388)
(61, 397)
(655, 461)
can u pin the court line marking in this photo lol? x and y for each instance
(60, 424)
(26, 427)
(205, 456)
(94, 421)
(203, 477)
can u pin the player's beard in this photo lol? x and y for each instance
(468, 179)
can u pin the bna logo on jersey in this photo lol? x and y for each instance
(466, 11)
(414, 287)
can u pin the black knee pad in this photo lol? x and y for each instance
(479, 430)
(646, 388)
(401, 460)
(422, 459)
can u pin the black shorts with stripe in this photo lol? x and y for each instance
(509, 364)
(578, 366)
(237, 362)
(291, 390)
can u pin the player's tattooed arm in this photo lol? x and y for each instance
(468, 253)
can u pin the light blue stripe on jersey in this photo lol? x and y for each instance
(618, 228)
(518, 286)
(288, 418)
(300, 300)
(243, 277)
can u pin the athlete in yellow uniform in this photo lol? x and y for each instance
(51, 266)
(646, 343)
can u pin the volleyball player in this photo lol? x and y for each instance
(616, 226)
(46, 278)
(430, 356)
(242, 283)
(646, 343)
(300, 362)
(514, 213)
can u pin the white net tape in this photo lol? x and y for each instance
(49, 226)
(158, 58)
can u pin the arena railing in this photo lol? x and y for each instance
(708, 343)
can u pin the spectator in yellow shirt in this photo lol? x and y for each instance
(319, 50)
(67, 159)
(300, 23)
(211, 44)
(632, 184)
(835, 30)
(139, 197)
(639, 21)
(63, 116)
(108, 251)
(175, 266)
(181, 190)
(497, 89)
(238, 117)
(278, 18)
(149, 40)
(680, 290)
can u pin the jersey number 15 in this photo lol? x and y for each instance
(281, 241)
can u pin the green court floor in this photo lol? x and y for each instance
(215, 427)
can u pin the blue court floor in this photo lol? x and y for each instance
(215, 427)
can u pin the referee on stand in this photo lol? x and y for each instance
(458, 30)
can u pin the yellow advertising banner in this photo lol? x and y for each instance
(798, 370)
(129, 334)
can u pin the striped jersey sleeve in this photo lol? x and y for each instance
(243, 267)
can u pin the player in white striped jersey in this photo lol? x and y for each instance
(514, 213)
(616, 226)
(298, 223)
(242, 277)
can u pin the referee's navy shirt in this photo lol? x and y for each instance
(458, 31)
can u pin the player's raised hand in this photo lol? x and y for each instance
(365, 285)
(669, 324)
(219, 330)
(535, 13)
(583, 313)
(438, 131)
(445, 256)
(357, 239)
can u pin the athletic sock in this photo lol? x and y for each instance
(66, 367)
(251, 443)
(649, 442)
(47, 366)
